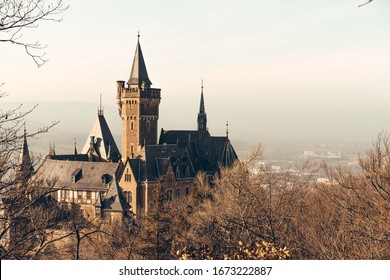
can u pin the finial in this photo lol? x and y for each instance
(100, 110)
(75, 147)
(138, 33)
(24, 130)
(227, 129)
(202, 86)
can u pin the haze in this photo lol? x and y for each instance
(276, 70)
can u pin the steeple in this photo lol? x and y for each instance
(25, 167)
(139, 75)
(202, 117)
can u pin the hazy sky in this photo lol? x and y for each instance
(280, 69)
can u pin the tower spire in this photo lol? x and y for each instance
(139, 74)
(202, 117)
(25, 167)
(75, 147)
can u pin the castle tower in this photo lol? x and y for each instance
(202, 117)
(138, 106)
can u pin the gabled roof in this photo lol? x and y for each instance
(104, 144)
(156, 160)
(206, 152)
(179, 137)
(91, 173)
(136, 166)
(224, 150)
(139, 73)
(114, 201)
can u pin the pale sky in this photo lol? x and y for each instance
(279, 69)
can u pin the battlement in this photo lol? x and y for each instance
(136, 92)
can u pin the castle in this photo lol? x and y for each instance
(107, 182)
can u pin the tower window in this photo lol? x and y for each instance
(148, 126)
(132, 126)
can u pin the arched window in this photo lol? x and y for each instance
(127, 177)
(178, 192)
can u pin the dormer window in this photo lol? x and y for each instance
(76, 175)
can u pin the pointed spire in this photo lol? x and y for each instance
(103, 142)
(25, 168)
(139, 75)
(202, 117)
(25, 163)
(75, 147)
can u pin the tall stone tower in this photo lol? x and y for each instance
(138, 105)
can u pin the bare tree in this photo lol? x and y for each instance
(18, 15)
(25, 209)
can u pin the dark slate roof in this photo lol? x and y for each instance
(224, 150)
(139, 73)
(206, 152)
(180, 137)
(114, 200)
(88, 174)
(157, 158)
(104, 144)
(136, 167)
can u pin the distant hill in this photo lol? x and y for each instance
(75, 121)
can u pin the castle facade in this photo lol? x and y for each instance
(106, 182)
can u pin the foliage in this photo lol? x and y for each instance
(260, 250)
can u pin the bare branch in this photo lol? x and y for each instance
(17, 15)
(369, 1)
